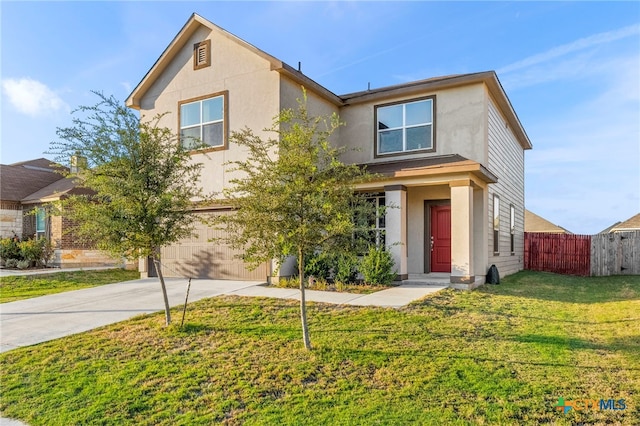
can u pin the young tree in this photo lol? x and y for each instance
(293, 195)
(142, 183)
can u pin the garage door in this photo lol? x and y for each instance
(197, 257)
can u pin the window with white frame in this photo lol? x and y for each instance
(512, 228)
(41, 223)
(404, 127)
(203, 121)
(370, 223)
(377, 224)
(496, 224)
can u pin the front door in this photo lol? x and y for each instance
(440, 238)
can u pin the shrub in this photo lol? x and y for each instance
(47, 251)
(23, 264)
(36, 252)
(346, 268)
(377, 267)
(11, 263)
(288, 282)
(318, 265)
(9, 248)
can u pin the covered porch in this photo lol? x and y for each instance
(437, 222)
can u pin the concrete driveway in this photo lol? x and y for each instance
(40, 319)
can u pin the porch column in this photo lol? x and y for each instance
(143, 267)
(396, 226)
(462, 269)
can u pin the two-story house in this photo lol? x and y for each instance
(449, 150)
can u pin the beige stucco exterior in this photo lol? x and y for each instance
(478, 150)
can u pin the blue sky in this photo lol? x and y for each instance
(570, 69)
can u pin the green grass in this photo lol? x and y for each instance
(500, 355)
(14, 288)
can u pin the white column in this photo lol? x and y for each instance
(396, 226)
(143, 267)
(462, 269)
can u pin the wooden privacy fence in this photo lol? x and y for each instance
(617, 253)
(598, 255)
(566, 254)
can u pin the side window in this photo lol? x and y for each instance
(204, 121)
(404, 127)
(496, 224)
(512, 228)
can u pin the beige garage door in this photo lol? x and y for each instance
(197, 257)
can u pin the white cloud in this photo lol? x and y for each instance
(127, 86)
(578, 45)
(32, 97)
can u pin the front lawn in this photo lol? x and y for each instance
(20, 287)
(503, 354)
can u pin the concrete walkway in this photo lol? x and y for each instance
(40, 319)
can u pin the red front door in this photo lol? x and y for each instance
(440, 239)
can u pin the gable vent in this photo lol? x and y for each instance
(202, 54)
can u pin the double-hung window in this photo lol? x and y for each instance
(376, 235)
(512, 228)
(370, 223)
(203, 122)
(41, 223)
(404, 127)
(496, 224)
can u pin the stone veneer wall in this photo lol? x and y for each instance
(70, 258)
(10, 219)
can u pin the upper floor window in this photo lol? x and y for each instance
(405, 127)
(203, 121)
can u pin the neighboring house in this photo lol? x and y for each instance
(450, 152)
(629, 225)
(18, 181)
(27, 191)
(535, 223)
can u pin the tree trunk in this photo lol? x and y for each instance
(167, 313)
(303, 303)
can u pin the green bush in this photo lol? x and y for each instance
(377, 267)
(11, 263)
(288, 282)
(36, 252)
(346, 268)
(23, 264)
(9, 249)
(318, 265)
